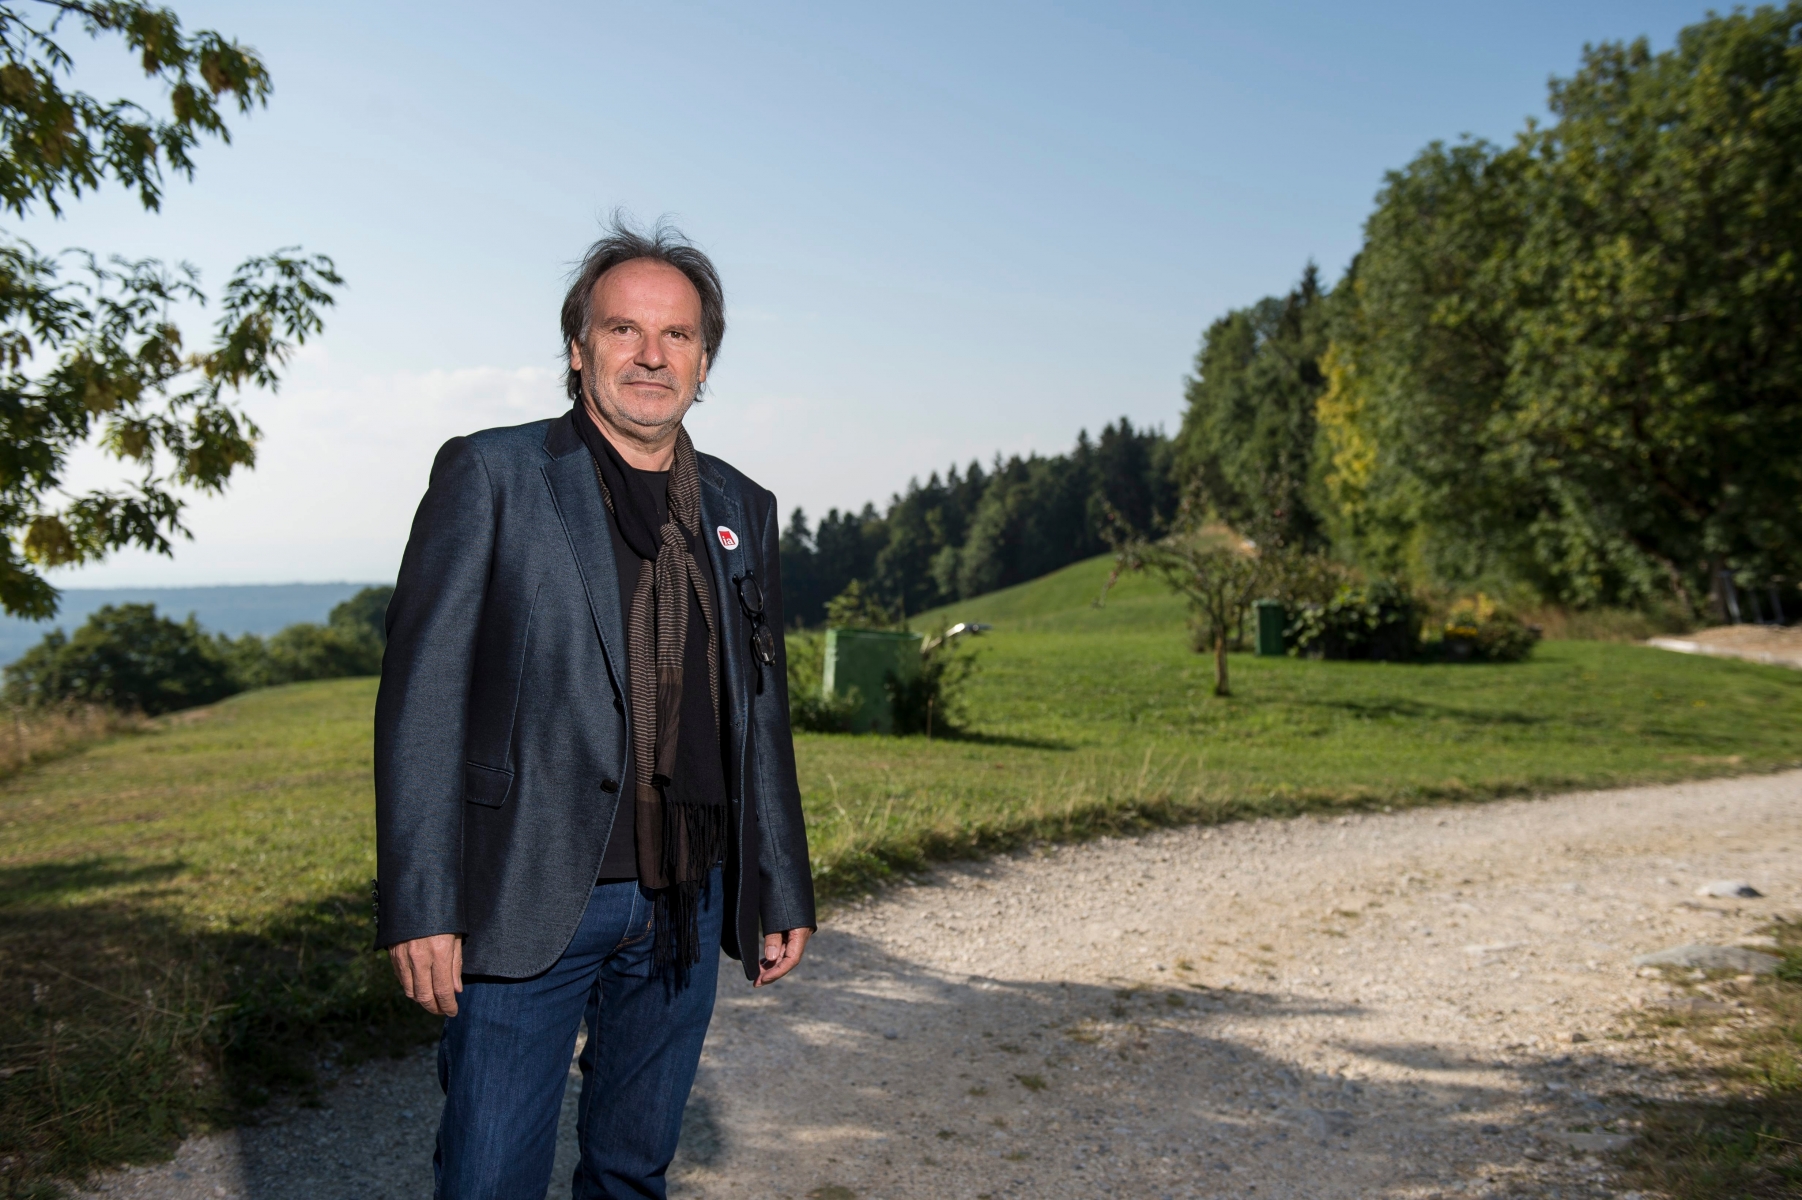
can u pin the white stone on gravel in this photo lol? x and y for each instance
(1695, 1006)
(1725, 889)
(1323, 1125)
(1711, 958)
(1590, 1141)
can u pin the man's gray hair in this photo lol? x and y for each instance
(621, 243)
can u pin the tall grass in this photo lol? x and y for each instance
(1609, 624)
(36, 735)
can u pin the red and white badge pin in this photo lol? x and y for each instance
(728, 539)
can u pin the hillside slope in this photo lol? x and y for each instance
(1066, 601)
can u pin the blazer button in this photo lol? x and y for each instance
(609, 785)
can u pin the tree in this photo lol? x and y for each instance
(857, 607)
(1218, 578)
(126, 657)
(1034, 517)
(1657, 372)
(1136, 488)
(366, 611)
(924, 528)
(802, 598)
(1416, 375)
(89, 351)
(1247, 438)
(350, 643)
(973, 531)
(1577, 361)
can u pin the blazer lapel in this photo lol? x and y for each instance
(577, 495)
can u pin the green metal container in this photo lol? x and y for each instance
(862, 660)
(1270, 621)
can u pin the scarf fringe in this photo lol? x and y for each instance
(692, 833)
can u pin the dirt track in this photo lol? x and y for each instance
(1417, 1004)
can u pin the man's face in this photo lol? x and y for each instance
(642, 361)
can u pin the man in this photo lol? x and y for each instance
(585, 781)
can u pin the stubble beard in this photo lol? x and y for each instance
(610, 404)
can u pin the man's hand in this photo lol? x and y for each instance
(430, 970)
(781, 951)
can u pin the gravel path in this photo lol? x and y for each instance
(1416, 1004)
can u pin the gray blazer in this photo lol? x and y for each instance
(501, 739)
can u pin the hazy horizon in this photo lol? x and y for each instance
(231, 609)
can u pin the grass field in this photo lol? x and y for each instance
(183, 921)
(182, 927)
(1089, 719)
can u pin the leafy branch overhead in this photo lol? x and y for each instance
(68, 141)
(90, 352)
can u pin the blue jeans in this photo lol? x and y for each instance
(504, 1059)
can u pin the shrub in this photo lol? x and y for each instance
(1478, 630)
(367, 610)
(933, 701)
(333, 651)
(125, 657)
(855, 608)
(349, 643)
(1377, 621)
(809, 708)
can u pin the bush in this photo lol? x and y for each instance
(855, 608)
(933, 701)
(323, 652)
(367, 610)
(127, 658)
(350, 643)
(1374, 622)
(1478, 630)
(809, 708)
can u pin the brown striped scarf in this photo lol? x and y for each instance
(678, 843)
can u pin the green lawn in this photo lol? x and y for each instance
(1088, 719)
(183, 915)
(182, 925)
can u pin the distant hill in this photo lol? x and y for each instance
(1065, 601)
(238, 609)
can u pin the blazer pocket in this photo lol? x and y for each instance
(487, 786)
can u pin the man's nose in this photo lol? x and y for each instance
(650, 353)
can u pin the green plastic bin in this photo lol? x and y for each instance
(862, 659)
(1271, 618)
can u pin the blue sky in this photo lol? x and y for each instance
(945, 230)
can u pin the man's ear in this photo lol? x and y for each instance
(703, 378)
(575, 357)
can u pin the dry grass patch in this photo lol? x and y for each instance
(37, 735)
(1747, 1143)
